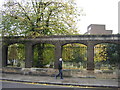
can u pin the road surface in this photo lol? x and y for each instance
(14, 85)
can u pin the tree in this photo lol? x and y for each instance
(39, 18)
(16, 52)
(12, 55)
(107, 54)
(113, 54)
(100, 52)
(74, 52)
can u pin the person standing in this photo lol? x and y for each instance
(60, 69)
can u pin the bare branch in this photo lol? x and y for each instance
(24, 12)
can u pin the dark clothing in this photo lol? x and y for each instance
(60, 70)
(60, 65)
(60, 74)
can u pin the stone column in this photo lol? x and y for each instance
(90, 56)
(58, 54)
(4, 55)
(28, 55)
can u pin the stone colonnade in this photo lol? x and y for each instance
(58, 53)
(58, 43)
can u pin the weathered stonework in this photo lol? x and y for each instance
(109, 74)
(58, 41)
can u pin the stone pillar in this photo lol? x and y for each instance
(28, 55)
(90, 56)
(4, 55)
(58, 54)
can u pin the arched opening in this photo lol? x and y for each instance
(74, 56)
(16, 55)
(44, 56)
(106, 56)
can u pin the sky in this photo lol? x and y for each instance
(97, 12)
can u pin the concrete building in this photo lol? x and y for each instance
(97, 29)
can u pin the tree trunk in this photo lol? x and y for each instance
(40, 50)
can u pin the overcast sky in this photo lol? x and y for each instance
(98, 12)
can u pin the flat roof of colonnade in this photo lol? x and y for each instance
(65, 38)
(68, 37)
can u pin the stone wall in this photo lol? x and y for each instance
(109, 74)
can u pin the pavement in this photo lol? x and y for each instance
(73, 81)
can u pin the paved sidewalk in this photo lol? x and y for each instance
(92, 82)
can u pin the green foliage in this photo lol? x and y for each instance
(39, 18)
(48, 17)
(100, 52)
(16, 52)
(107, 55)
(48, 54)
(12, 54)
(113, 54)
(44, 58)
(74, 53)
